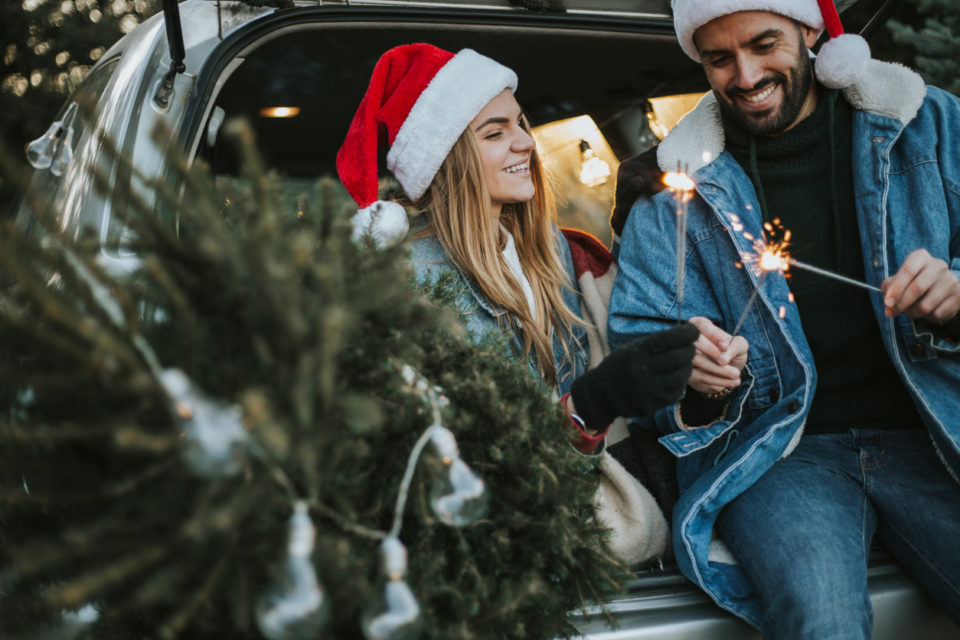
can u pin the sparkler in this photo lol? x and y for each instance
(830, 274)
(772, 255)
(682, 187)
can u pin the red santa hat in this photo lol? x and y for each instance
(419, 101)
(841, 60)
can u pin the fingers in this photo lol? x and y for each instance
(679, 336)
(923, 287)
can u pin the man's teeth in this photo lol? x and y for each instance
(517, 167)
(762, 95)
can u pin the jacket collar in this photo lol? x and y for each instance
(885, 88)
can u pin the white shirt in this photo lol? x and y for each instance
(513, 262)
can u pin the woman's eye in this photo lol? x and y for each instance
(493, 136)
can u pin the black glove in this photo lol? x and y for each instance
(638, 378)
(637, 177)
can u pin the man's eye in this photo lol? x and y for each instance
(764, 47)
(718, 62)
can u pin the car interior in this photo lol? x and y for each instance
(300, 88)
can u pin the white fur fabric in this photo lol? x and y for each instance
(639, 531)
(385, 222)
(842, 60)
(690, 15)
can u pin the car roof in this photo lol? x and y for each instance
(649, 9)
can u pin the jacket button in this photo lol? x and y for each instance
(916, 349)
(794, 406)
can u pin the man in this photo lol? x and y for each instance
(845, 420)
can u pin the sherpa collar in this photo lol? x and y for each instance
(886, 88)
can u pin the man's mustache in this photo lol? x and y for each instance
(762, 84)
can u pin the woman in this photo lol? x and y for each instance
(462, 152)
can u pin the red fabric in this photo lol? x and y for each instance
(588, 253)
(585, 443)
(831, 19)
(399, 77)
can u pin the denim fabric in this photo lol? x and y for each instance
(907, 186)
(431, 264)
(802, 533)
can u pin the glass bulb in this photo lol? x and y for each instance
(40, 151)
(593, 171)
(295, 608)
(458, 497)
(393, 614)
(656, 126)
(215, 442)
(63, 154)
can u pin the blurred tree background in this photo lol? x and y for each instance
(48, 47)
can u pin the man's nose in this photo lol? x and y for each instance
(749, 73)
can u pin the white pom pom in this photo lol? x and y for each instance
(385, 221)
(842, 60)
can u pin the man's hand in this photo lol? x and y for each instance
(924, 287)
(718, 360)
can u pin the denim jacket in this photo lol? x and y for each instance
(430, 264)
(906, 165)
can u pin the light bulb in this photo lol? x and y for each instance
(295, 608)
(214, 440)
(458, 497)
(656, 126)
(63, 154)
(393, 614)
(40, 151)
(593, 171)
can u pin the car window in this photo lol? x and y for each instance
(43, 184)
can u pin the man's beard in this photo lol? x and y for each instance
(773, 121)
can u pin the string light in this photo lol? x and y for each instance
(394, 613)
(295, 608)
(215, 442)
(593, 170)
(53, 149)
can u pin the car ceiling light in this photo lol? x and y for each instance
(279, 112)
(664, 113)
(593, 171)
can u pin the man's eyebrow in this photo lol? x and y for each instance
(769, 33)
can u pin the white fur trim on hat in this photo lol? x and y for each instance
(454, 97)
(842, 60)
(690, 15)
(384, 221)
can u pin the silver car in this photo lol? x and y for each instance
(600, 79)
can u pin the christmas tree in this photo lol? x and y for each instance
(172, 438)
(935, 42)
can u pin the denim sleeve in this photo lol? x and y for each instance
(644, 297)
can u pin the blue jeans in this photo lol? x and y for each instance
(802, 533)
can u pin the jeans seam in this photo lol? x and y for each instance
(931, 566)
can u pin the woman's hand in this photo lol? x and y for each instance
(637, 379)
(718, 360)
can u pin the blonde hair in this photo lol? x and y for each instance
(459, 216)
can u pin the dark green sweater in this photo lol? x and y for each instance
(811, 192)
